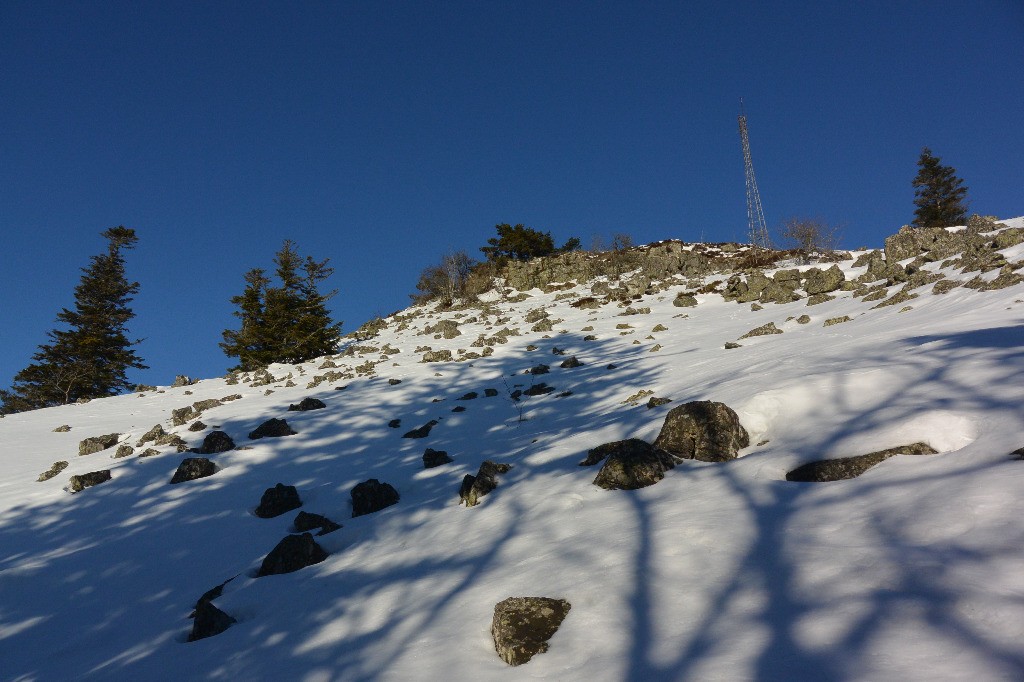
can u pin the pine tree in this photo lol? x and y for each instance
(286, 323)
(938, 194)
(91, 357)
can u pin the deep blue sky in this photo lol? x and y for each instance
(381, 134)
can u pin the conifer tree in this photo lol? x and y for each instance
(91, 357)
(938, 194)
(286, 323)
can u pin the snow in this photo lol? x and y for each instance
(721, 571)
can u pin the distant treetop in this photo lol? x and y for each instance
(518, 242)
(940, 196)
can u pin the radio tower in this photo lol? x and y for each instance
(758, 231)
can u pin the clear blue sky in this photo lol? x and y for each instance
(381, 134)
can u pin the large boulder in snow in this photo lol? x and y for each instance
(192, 468)
(52, 471)
(216, 441)
(522, 626)
(486, 480)
(371, 496)
(705, 430)
(83, 481)
(307, 404)
(843, 468)
(423, 431)
(435, 458)
(819, 281)
(97, 443)
(278, 500)
(291, 554)
(209, 621)
(629, 464)
(272, 428)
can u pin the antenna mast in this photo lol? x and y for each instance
(758, 230)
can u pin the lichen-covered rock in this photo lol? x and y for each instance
(63, 428)
(437, 356)
(684, 300)
(522, 626)
(819, 298)
(763, 330)
(704, 430)
(817, 281)
(272, 428)
(946, 285)
(307, 404)
(278, 500)
(123, 450)
(372, 496)
(52, 471)
(850, 467)
(435, 458)
(778, 292)
(305, 521)
(196, 426)
(1008, 238)
(96, 444)
(486, 480)
(657, 402)
(293, 553)
(181, 415)
(570, 363)
(192, 468)
(837, 320)
(629, 464)
(83, 481)
(447, 329)
(216, 441)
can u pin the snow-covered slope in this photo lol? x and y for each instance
(724, 571)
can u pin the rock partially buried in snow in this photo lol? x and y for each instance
(305, 521)
(52, 471)
(435, 458)
(307, 404)
(83, 481)
(486, 480)
(522, 626)
(291, 554)
(97, 444)
(209, 621)
(278, 500)
(216, 441)
(192, 468)
(423, 431)
(629, 464)
(850, 467)
(371, 496)
(272, 428)
(704, 430)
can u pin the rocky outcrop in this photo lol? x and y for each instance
(192, 468)
(522, 626)
(278, 500)
(372, 496)
(96, 444)
(844, 468)
(475, 487)
(629, 464)
(307, 404)
(272, 428)
(83, 481)
(704, 430)
(293, 553)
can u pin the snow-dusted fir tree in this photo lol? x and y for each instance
(940, 196)
(90, 358)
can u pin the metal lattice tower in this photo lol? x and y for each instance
(758, 230)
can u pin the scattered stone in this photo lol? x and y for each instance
(684, 300)
(472, 395)
(629, 464)
(539, 389)
(183, 380)
(901, 296)
(819, 298)
(437, 356)
(306, 522)
(590, 337)
(803, 319)
(192, 468)
(151, 435)
(63, 428)
(1016, 454)
(83, 481)
(946, 285)
(754, 307)
(837, 320)
(435, 458)
(850, 467)
(291, 554)
(181, 415)
(704, 430)
(278, 500)
(97, 444)
(486, 480)
(149, 452)
(123, 451)
(763, 330)
(657, 402)
(423, 431)
(394, 382)
(729, 345)
(555, 350)
(307, 404)
(196, 426)
(522, 626)
(52, 471)
(612, 366)
(209, 621)
(458, 408)
(371, 496)
(394, 423)
(272, 428)
(571, 363)
(490, 392)
(655, 348)
(818, 281)
(659, 328)
(538, 370)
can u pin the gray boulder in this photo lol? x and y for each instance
(192, 468)
(823, 281)
(97, 444)
(435, 458)
(629, 464)
(522, 626)
(278, 500)
(272, 428)
(844, 468)
(421, 432)
(83, 481)
(291, 554)
(216, 441)
(209, 621)
(486, 480)
(52, 471)
(371, 496)
(704, 430)
(307, 404)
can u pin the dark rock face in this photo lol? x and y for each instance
(704, 430)
(52, 471)
(522, 626)
(83, 481)
(571, 363)
(486, 480)
(272, 428)
(850, 467)
(372, 495)
(192, 468)
(216, 441)
(435, 458)
(209, 621)
(306, 522)
(629, 464)
(307, 404)
(278, 500)
(423, 431)
(291, 554)
(97, 444)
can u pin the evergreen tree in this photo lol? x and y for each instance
(938, 194)
(519, 242)
(286, 323)
(91, 357)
